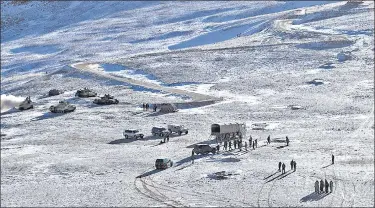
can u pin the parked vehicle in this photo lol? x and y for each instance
(163, 163)
(159, 131)
(54, 92)
(62, 107)
(203, 149)
(230, 131)
(132, 133)
(106, 100)
(86, 93)
(175, 128)
(26, 104)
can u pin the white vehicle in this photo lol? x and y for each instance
(132, 133)
(175, 128)
(203, 149)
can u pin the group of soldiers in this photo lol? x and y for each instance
(147, 106)
(293, 166)
(323, 186)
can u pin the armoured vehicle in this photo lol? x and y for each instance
(26, 104)
(106, 100)
(175, 128)
(163, 163)
(132, 133)
(203, 149)
(54, 92)
(86, 93)
(62, 107)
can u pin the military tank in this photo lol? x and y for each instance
(86, 93)
(62, 107)
(54, 92)
(106, 100)
(26, 104)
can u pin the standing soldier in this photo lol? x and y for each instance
(250, 141)
(246, 146)
(333, 159)
(167, 137)
(230, 145)
(143, 106)
(240, 145)
(155, 107)
(218, 148)
(147, 106)
(326, 186)
(235, 144)
(253, 145)
(279, 166)
(283, 168)
(225, 145)
(331, 185)
(287, 141)
(269, 139)
(294, 164)
(291, 164)
(321, 186)
(192, 157)
(317, 186)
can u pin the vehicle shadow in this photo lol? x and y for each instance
(189, 159)
(213, 141)
(123, 140)
(314, 197)
(151, 172)
(327, 166)
(47, 115)
(279, 147)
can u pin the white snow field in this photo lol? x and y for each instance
(230, 61)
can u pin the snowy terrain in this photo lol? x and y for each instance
(222, 62)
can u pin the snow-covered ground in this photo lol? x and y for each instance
(254, 59)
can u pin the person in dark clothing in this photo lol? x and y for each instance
(225, 145)
(269, 139)
(279, 166)
(291, 164)
(147, 106)
(192, 157)
(155, 107)
(250, 141)
(246, 146)
(256, 143)
(283, 168)
(333, 159)
(294, 165)
(218, 148)
(235, 144)
(326, 186)
(287, 141)
(317, 187)
(321, 186)
(253, 145)
(331, 186)
(167, 138)
(230, 145)
(143, 106)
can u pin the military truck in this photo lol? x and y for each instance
(106, 100)
(62, 107)
(86, 93)
(26, 104)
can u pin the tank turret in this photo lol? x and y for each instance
(26, 104)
